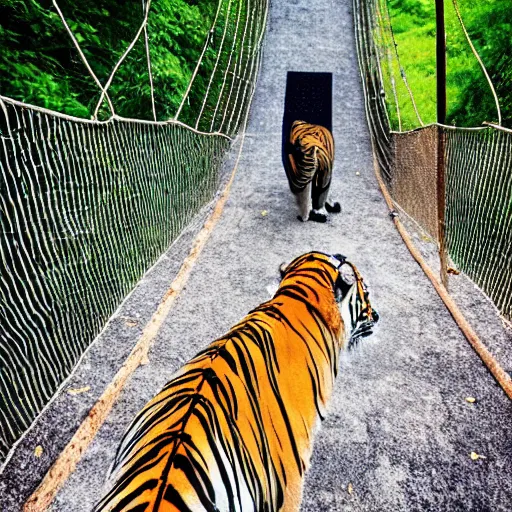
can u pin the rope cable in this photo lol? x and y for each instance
(247, 69)
(120, 61)
(82, 56)
(219, 53)
(390, 66)
(150, 74)
(237, 70)
(231, 53)
(477, 56)
(402, 70)
(208, 39)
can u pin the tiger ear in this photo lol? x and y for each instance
(346, 278)
(340, 258)
(282, 268)
(347, 274)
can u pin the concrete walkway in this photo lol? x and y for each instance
(400, 431)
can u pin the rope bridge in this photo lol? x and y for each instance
(87, 206)
(477, 165)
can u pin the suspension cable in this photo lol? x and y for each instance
(390, 66)
(82, 56)
(120, 61)
(148, 57)
(402, 70)
(475, 53)
(208, 39)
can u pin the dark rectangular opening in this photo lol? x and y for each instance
(308, 98)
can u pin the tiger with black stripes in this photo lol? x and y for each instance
(233, 428)
(308, 166)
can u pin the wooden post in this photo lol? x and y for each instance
(441, 138)
(441, 62)
(441, 204)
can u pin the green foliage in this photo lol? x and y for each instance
(469, 98)
(414, 33)
(39, 63)
(489, 25)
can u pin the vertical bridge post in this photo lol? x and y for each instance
(441, 137)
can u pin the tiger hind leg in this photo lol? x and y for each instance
(303, 199)
(306, 211)
(325, 201)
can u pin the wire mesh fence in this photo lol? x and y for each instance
(87, 206)
(478, 171)
(414, 176)
(479, 209)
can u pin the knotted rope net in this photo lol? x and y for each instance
(478, 165)
(87, 206)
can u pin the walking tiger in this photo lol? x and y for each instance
(232, 430)
(310, 152)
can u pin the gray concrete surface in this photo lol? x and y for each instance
(399, 429)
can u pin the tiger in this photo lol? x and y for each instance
(233, 428)
(310, 152)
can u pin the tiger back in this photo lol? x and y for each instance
(311, 158)
(308, 164)
(232, 430)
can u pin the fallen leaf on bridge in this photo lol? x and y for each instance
(77, 391)
(350, 488)
(38, 451)
(476, 456)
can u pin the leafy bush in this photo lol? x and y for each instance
(39, 63)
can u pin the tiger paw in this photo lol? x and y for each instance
(333, 208)
(317, 217)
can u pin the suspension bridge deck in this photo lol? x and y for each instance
(399, 430)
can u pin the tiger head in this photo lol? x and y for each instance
(350, 292)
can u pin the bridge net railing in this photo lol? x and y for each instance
(478, 168)
(87, 206)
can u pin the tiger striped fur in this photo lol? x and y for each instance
(309, 169)
(232, 430)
